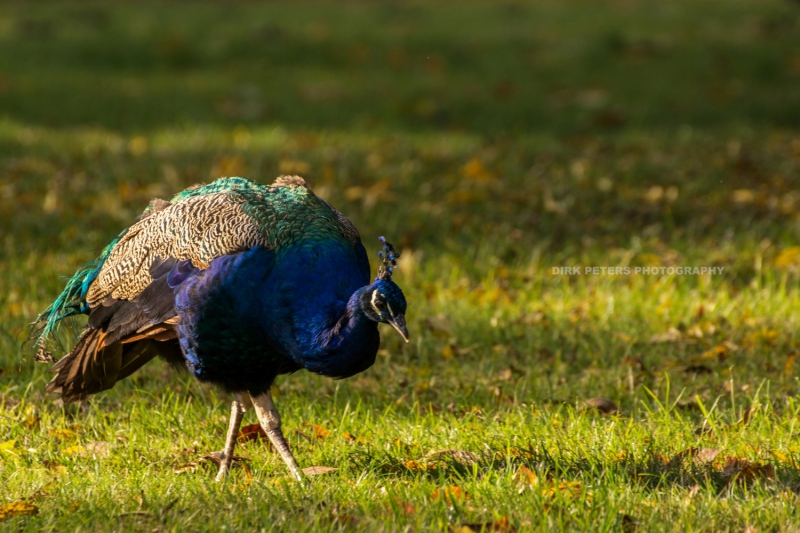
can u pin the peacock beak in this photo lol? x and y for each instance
(399, 323)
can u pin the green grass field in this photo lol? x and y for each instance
(491, 141)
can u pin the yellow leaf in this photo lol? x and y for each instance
(74, 450)
(447, 352)
(788, 366)
(719, 351)
(63, 434)
(21, 508)
(414, 466)
(781, 457)
(7, 447)
(743, 196)
(475, 170)
(789, 257)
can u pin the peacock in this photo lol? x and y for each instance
(238, 281)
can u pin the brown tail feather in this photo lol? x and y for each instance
(92, 366)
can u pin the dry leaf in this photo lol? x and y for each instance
(450, 494)
(671, 335)
(407, 508)
(63, 434)
(460, 456)
(505, 375)
(414, 466)
(55, 467)
(748, 415)
(74, 450)
(788, 366)
(21, 508)
(320, 432)
(251, 433)
(524, 478)
(604, 405)
(742, 471)
(719, 352)
(706, 456)
(318, 470)
(99, 449)
(698, 369)
(31, 421)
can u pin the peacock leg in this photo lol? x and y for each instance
(270, 420)
(237, 411)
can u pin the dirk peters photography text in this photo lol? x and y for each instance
(635, 271)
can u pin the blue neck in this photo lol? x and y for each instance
(344, 343)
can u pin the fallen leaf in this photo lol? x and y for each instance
(719, 352)
(251, 433)
(8, 446)
(671, 335)
(320, 432)
(459, 456)
(63, 434)
(414, 466)
(742, 471)
(407, 508)
(604, 405)
(55, 467)
(788, 257)
(318, 470)
(525, 477)
(449, 494)
(99, 449)
(788, 366)
(21, 508)
(74, 450)
(505, 375)
(31, 421)
(698, 369)
(747, 415)
(706, 456)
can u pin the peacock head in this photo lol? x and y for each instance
(383, 301)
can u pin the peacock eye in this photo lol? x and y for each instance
(380, 304)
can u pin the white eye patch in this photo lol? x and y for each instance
(375, 299)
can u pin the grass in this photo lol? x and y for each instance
(491, 142)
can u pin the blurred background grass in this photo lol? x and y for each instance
(490, 140)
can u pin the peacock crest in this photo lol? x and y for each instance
(388, 256)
